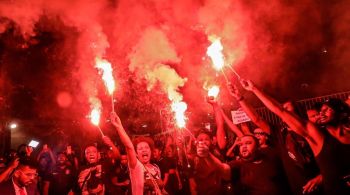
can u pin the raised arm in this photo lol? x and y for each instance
(178, 178)
(303, 128)
(220, 131)
(249, 110)
(230, 150)
(224, 169)
(52, 156)
(114, 148)
(47, 150)
(234, 128)
(125, 139)
(5, 175)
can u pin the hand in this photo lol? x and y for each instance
(313, 184)
(115, 120)
(212, 101)
(234, 91)
(14, 163)
(97, 190)
(202, 150)
(107, 141)
(29, 150)
(180, 185)
(82, 175)
(45, 148)
(245, 127)
(237, 141)
(69, 150)
(247, 84)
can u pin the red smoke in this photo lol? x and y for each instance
(146, 41)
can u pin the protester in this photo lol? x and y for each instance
(72, 158)
(46, 161)
(145, 177)
(93, 178)
(331, 146)
(253, 174)
(159, 160)
(23, 181)
(313, 115)
(172, 181)
(120, 177)
(61, 178)
(263, 130)
(207, 179)
(307, 153)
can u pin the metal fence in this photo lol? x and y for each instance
(301, 105)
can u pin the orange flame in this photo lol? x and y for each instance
(214, 51)
(179, 108)
(95, 116)
(107, 73)
(95, 105)
(213, 91)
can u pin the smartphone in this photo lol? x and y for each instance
(33, 143)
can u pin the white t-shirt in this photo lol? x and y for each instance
(137, 178)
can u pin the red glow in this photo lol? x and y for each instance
(179, 108)
(64, 99)
(214, 51)
(213, 91)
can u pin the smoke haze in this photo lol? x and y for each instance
(158, 52)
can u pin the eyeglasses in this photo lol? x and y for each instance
(31, 175)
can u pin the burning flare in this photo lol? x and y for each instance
(95, 116)
(179, 108)
(213, 91)
(107, 73)
(214, 51)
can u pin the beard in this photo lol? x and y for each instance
(23, 183)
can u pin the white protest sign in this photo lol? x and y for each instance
(239, 116)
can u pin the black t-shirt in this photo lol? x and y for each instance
(61, 180)
(271, 153)
(334, 162)
(260, 177)
(93, 175)
(122, 174)
(163, 166)
(207, 178)
(170, 163)
(298, 160)
(172, 184)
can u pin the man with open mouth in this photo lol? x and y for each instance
(93, 177)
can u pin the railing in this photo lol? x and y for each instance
(301, 105)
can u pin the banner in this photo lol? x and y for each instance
(239, 116)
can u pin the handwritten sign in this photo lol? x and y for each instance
(239, 116)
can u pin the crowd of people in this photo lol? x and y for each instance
(308, 154)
